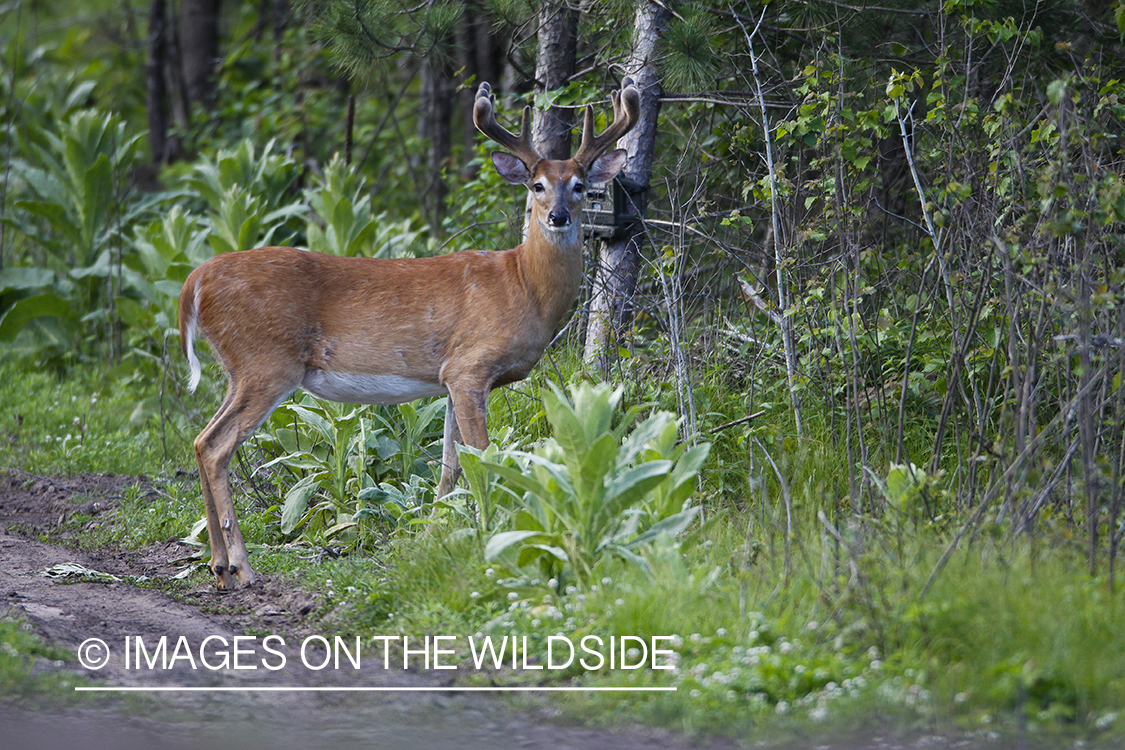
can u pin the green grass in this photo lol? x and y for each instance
(800, 623)
(29, 666)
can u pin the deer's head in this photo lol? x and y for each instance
(558, 187)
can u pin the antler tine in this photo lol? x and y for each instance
(484, 116)
(626, 112)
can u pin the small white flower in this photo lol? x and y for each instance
(606, 581)
(474, 594)
(512, 596)
(820, 713)
(813, 625)
(553, 583)
(782, 708)
(77, 420)
(876, 664)
(489, 572)
(695, 693)
(619, 602)
(721, 631)
(785, 647)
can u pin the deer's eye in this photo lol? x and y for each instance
(578, 188)
(538, 187)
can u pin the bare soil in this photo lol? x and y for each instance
(66, 614)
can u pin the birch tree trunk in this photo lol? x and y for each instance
(615, 280)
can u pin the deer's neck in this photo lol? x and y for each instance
(551, 267)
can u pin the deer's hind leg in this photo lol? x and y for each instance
(250, 401)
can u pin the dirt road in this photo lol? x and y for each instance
(68, 614)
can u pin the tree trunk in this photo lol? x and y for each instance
(199, 48)
(615, 281)
(437, 109)
(554, 66)
(156, 89)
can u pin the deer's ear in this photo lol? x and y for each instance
(511, 168)
(606, 166)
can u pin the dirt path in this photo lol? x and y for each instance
(67, 614)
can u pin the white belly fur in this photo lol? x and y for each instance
(367, 389)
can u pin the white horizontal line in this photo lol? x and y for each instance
(298, 689)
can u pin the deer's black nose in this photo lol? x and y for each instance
(558, 218)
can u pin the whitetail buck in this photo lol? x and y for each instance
(382, 331)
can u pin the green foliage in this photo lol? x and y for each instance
(591, 492)
(347, 226)
(341, 453)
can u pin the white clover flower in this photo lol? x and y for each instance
(782, 708)
(785, 647)
(619, 602)
(677, 641)
(721, 631)
(633, 653)
(876, 664)
(820, 713)
(695, 693)
(813, 625)
(732, 696)
(553, 583)
(606, 581)
(571, 590)
(696, 637)
(512, 596)
(489, 572)
(474, 595)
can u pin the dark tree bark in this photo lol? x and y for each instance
(156, 88)
(199, 49)
(554, 66)
(615, 282)
(437, 104)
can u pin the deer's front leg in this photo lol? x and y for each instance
(465, 422)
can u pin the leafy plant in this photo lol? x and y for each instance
(591, 491)
(343, 452)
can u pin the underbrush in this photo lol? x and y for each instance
(783, 611)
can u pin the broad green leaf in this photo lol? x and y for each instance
(26, 277)
(297, 501)
(31, 308)
(499, 543)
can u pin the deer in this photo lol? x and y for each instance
(388, 331)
